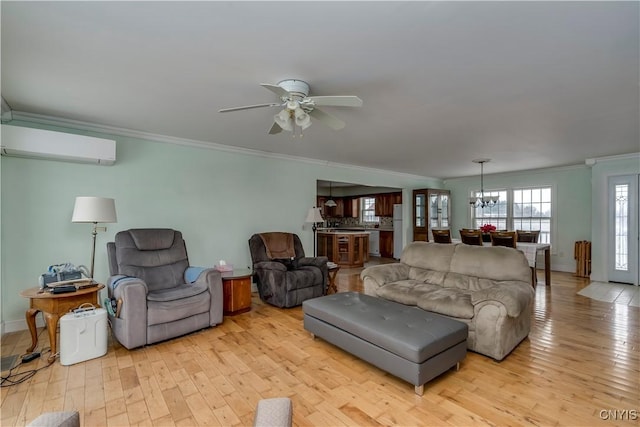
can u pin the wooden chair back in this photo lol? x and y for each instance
(503, 238)
(528, 236)
(471, 237)
(442, 236)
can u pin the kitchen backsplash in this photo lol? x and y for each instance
(385, 222)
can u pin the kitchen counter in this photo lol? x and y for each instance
(346, 248)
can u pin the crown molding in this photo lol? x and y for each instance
(130, 133)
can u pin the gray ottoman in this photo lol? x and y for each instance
(405, 341)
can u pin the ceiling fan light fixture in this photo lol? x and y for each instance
(284, 120)
(302, 119)
(330, 203)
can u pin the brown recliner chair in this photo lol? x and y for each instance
(159, 296)
(283, 275)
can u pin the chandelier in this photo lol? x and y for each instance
(482, 201)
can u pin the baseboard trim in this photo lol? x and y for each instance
(19, 325)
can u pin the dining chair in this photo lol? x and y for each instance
(503, 238)
(471, 237)
(442, 236)
(528, 236)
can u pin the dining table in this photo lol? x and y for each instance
(530, 251)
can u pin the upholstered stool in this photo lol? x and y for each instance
(276, 412)
(57, 419)
(408, 342)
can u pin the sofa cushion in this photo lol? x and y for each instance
(178, 292)
(451, 302)
(496, 262)
(169, 311)
(405, 291)
(427, 276)
(448, 301)
(428, 256)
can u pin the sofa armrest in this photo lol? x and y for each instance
(130, 326)
(377, 275)
(213, 279)
(313, 261)
(515, 296)
(269, 265)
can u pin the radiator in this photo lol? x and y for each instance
(582, 255)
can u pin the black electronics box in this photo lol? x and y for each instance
(59, 277)
(62, 289)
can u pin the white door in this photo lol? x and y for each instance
(624, 226)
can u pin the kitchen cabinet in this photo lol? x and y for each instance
(347, 249)
(431, 209)
(386, 243)
(351, 207)
(385, 202)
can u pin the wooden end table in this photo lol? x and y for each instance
(52, 307)
(236, 287)
(333, 272)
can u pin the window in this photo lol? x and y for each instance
(368, 210)
(518, 209)
(532, 211)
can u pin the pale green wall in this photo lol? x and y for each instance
(601, 171)
(572, 196)
(216, 198)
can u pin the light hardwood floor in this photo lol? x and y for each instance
(581, 358)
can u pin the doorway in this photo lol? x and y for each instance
(623, 229)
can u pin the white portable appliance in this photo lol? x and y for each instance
(83, 335)
(397, 231)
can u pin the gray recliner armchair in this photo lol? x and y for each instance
(159, 296)
(283, 275)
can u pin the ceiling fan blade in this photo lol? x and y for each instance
(282, 93)
(248, 107)
(326, 118)
(336, 101)
(275, 129)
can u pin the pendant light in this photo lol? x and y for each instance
(482, 201)
(330, 203)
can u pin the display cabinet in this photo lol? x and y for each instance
(431, 209)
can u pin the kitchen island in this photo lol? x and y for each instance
(346, 248)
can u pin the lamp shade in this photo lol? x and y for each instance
(94, 209)
(314, 215)
(284, 120)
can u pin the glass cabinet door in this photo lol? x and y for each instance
(444, 210)
(431, 210)
(420, 211)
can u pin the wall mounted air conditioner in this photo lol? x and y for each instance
(20, 141)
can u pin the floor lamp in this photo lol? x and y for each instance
(94, 210)
(315, 217)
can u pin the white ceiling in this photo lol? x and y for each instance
(527, 84)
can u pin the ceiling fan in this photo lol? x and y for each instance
(298, 107)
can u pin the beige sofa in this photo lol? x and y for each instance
(488, 288)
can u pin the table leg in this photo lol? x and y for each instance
(30, 316)
(547, 267)
(52, 325)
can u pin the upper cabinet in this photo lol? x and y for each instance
(385, 202)
(351, 207)
(431, 209)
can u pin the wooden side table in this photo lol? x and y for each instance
(52, 307)
(236, 287)
(333, 272)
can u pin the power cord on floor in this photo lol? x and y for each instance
(13, 379)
